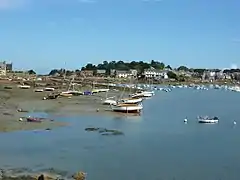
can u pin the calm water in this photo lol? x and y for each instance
(156, 146)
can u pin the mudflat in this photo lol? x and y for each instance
(28, 101)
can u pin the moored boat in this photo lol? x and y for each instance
(207, 119)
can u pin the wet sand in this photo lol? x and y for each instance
(26, 99)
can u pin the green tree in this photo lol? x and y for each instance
(182, 68)
(172, 75)
(53, 72)
(31, 72)
(168, 67)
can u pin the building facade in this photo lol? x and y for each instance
(155, 74)
(3, 68)
(86, 73)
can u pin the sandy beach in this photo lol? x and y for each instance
(29, 101)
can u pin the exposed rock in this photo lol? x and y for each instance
(104, 131)
(79, 176)
(92, 129)
(41, 177)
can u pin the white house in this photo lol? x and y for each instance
(123, 74)
(155, 74)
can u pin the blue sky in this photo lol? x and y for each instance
(44, 34)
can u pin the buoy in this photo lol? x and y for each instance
(185, 120)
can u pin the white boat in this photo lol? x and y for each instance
(39, 90)
(72, 92)
(143, 94)
(207, 119)
(24, 87)
(109, 102)
(103, 90)
(127, 108)
(49, 89)
(235, 89)
(131, 100)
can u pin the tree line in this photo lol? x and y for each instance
(140, 66)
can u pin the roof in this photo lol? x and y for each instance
(101, 71)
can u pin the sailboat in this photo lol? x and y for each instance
(70, 92)
(127, 108)
(128, 105)
(143, 94)
(130, 100)
(109, 100)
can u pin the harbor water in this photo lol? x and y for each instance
(157, 145)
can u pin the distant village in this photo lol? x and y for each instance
(154, 70)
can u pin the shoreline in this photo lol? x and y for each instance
(17, 104)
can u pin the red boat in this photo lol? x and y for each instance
(32, 119)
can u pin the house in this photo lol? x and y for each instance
(209, 75)
(86, 73)
(9, 67)
(101, 72)
(3, 68)
(113, 72)
(155, 74)
(122, 74)
(134, 72)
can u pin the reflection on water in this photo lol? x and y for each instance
(155, 145)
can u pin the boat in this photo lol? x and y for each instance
(142, 94)
(39, 90)
(24, 87)
(235, 89)
(32, 119)
(109, 101)
(71, 92)
(131, 100)
(127, 108)
(207, 119)
(103, 90)
(49, 89)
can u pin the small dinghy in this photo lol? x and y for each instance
(207, 119)
(32, 119)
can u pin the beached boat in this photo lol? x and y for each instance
(103, 90)
(127, 108)
(24, 87)
(131, 100)
(71, 92)
(109, 102)
(207, 119)
(32, 119)
(49, 89)
(38, 90)
(143, 94)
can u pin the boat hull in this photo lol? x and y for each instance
(109, 102)
(127, 109)
(132, 101)
(208, 121)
